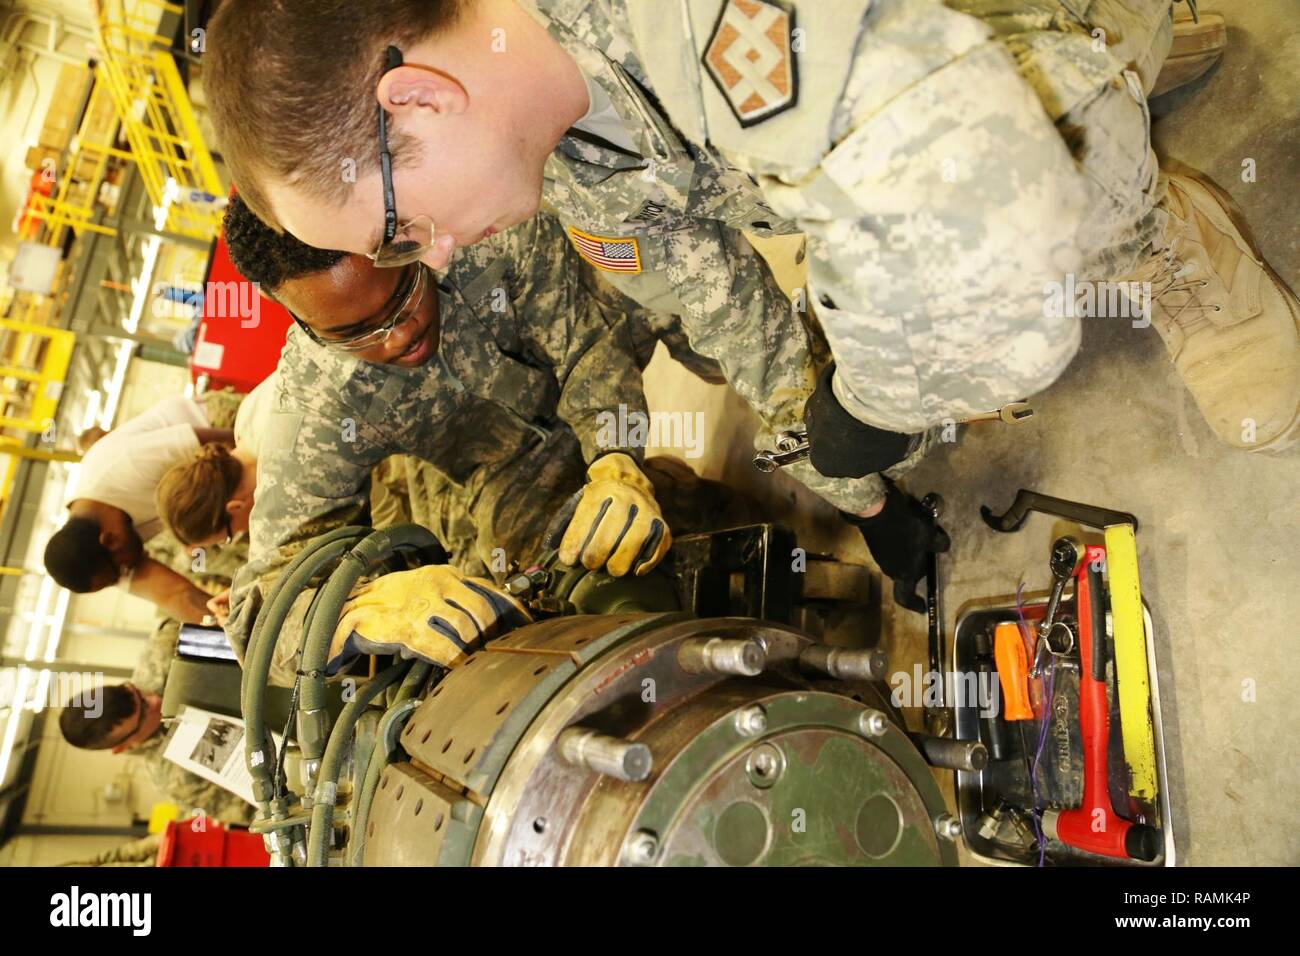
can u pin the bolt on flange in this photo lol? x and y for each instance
(737, 657)
(872, 723)
(641, 848)
(947, 826)
(764, 765)
(751, 721)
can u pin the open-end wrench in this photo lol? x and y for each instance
(938, 720)
(1012, 414)
(791, 446)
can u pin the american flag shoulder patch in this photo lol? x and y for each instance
(608, 253)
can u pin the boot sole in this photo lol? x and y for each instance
(1239, 222)
(1195, 49)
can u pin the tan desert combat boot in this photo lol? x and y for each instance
(1197, 46)
(1229, 321)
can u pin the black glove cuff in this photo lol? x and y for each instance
(841, 446)
(889, 514)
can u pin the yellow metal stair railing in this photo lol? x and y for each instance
(46, 381)
(156, 114)
(72, 206)
(45, 385)
(36, 354)
(138, 77)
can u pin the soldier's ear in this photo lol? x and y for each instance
(439, 254)
(408, 90)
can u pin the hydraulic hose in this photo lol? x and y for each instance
(322, 814)
(312, 547)
(390, 727)
(414, 681)
(374, 548)
(257, 659)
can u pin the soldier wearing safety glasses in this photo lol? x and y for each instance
(949, 162)
(497, 375)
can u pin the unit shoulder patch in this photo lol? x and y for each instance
(751, 58)
(607, 253)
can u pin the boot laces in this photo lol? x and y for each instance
(1176, 290)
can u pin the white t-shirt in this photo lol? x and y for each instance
(602, 118)
(124, 467)
(253, 415)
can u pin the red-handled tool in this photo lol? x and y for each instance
(1094, 826)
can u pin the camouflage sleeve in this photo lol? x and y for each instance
(141, 852)
(945, 204)
(221, 406)
(313, 477)
(734, 312)
(150, 674)
(209, 568)
(194, 795)
(390, 493)
(580, 325)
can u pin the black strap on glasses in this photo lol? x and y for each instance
(392, 60)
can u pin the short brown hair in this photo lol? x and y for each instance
(191, 497)
(291, 88)
(90, 726)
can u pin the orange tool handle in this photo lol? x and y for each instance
(1013, 671)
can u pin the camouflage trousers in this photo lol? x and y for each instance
(406, 490)
(1090, 64)
(502, 519)
(220, 405)
(1107, 127)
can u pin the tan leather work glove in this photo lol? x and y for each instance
(434, 613)
(617, 522)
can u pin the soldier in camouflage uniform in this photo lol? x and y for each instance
(141, 852)
(211, 568)
(521, 352)
(221, 405)
(947, 162)
(188, 791)
(139, 731)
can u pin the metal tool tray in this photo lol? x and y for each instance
(1063, 773)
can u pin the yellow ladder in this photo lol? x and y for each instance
(156, 114)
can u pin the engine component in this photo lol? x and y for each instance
(606, 741)
(630, 725)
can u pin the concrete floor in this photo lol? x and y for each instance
(1217, 546)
